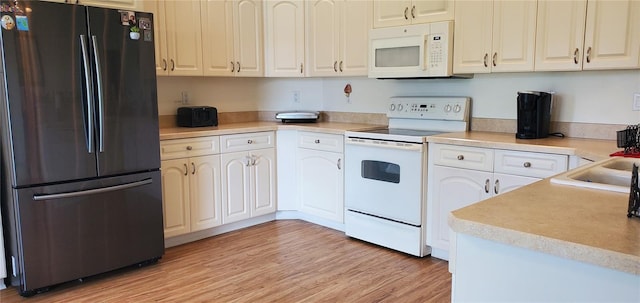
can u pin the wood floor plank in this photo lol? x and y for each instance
(279, 261)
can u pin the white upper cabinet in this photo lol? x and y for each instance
(388, 13)
(610, 39)
(560, 35)
(123, 4)
(178, 37)
(284, 38)
(494, 36)
(232, 37)
(612, 35)
(338, 37)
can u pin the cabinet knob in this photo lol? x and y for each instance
(249, 141)
(189, 147)
(461, 157)
(527, 164)
(317, 141)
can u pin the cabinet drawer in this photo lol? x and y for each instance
(320, 141)
(462, 156)
(248, 141)
(182, 148)
(539, 165)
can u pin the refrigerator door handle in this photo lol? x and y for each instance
(92, 191)
(100, 94)
(89, 99)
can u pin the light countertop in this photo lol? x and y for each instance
(591, 149)
(247, 127)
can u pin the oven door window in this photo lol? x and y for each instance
(381, 171)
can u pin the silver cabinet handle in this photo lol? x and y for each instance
(164, 64)
(486, 186)
(589, 54)
(88, 87)
(233, 67)
(100, 93)
(495, 58)
(189, 147)
(317, 141)
(496, 186)
(413, 12)
(335, 66)
(575, 56)
(238, 62)
(92, 191)
(340, 66)
(249, 141)
(406, 10)
(186, 170)
(486, 60)
(173, 65)
(527, 164)
(193, 168)
(460, 157)
(339, 164)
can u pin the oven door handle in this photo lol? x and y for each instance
(384, 144)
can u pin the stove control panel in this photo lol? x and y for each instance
(429, 108)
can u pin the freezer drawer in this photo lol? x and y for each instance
(75, 230)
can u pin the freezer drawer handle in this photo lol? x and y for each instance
(92, 191)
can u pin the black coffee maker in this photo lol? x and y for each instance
(534, 115)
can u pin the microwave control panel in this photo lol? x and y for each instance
(436, 51)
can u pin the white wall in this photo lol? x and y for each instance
(594, 97)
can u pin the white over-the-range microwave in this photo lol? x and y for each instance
(412, 51)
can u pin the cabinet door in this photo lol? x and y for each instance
(184, 38)
(514, 29)
(175, 197)
(205, 195)
(263, 181)
(123, 4)
(391, 13)
(472, 39)
(560, 35)
(248, 38)
(425, 11)
(217, 37)
(235, 187)
(323, 43)
(159, 35)
(356, 19)
(284, 38)
(454, 188)
(612, 35)
(320, 184)
(503, 183)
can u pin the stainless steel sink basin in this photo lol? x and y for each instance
(613, 174)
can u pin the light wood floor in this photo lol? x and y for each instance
(280, 261)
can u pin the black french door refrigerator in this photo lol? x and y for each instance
(81, 188)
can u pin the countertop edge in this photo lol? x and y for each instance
(560, 248)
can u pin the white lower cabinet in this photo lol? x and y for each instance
(191, 194)
(248, 177)
(320, 175)
(460, 176)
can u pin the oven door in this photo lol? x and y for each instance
(385, 179)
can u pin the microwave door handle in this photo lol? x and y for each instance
(425, 56)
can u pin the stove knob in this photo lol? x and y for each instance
(457, 108)
(392, 107)
(447, 108)
(400, 107)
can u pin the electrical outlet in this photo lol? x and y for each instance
(636, 101)
(185, 97)
(296, 96)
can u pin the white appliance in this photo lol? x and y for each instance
(386, 172)
(412, 51)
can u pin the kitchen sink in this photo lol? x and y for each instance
(613, 174)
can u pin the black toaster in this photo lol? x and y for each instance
(197, 116)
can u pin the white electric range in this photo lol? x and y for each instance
(386, 171)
